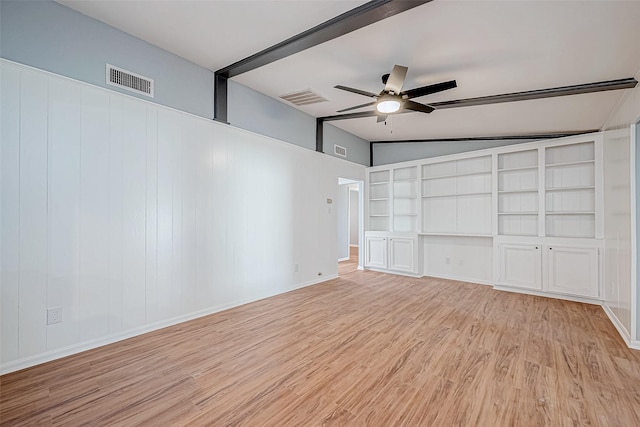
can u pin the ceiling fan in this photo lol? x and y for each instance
(392, 99)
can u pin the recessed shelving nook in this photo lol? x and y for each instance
(518, 193)
(456, 196)
(405, 195)
(570, 207)
(379, 200)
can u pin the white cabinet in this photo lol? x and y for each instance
(402, 254)
(550, 268)
(573, 270)
(520, 266)
(396, 253)
(376, 252)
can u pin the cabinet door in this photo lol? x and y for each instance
(573, 271)
(402, 254)
(520, 266)
(376, 252)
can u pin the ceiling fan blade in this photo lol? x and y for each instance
(356, 107)
(541, 93)
(358, 91)
(396, 79)
(427, 90)
(381, 118)
(416, 106)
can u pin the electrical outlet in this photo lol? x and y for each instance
(54, 315)
(319, 273)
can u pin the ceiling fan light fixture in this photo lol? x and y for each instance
(388, 105)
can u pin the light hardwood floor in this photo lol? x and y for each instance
(367, 349)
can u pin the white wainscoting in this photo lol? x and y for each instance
(130, 215)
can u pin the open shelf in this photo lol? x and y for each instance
(525, 168)
(589, 187)
(558, 165)
(526, 190)
(517, 213)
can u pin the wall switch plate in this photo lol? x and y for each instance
(54, 315)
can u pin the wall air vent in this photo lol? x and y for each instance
(304, 97)
(130, 81)
(339, 151)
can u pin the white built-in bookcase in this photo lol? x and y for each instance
(456, 196)
(405, 199)
(533, 190)
(570, 207)
(518, 193)
(379, 196)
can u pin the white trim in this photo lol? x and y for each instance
(617, 324)
(534, 292)
(398, 273)
(459, 279)
(353, 246)
(27, 362)
(344, 259)
(634, 242)
(635, 345)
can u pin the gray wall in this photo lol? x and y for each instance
(52, 37)
(357, 148)
(353, 215)
(384, 154)
(257, 112)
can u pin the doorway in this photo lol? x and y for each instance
(350, 224)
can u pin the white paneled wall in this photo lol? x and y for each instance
(619, 285)
(131, 216)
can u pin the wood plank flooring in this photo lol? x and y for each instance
(367, 349)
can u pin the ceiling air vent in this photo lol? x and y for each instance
(304, 97)
(130, 81)
(339, 151)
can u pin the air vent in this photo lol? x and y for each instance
(339, 151)
(304, 97)
(130, 81)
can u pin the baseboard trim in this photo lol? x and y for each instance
(459, 279)
(398, 273)
(583, 300)
(619, 326)
(30, 361)
(344, 259)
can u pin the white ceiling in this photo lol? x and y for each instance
(488, 47)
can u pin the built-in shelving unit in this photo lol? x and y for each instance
(570, 190)
(518, 193)
(405, 196)
(379, 200)
(456, 196)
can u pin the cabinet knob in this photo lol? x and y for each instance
(536, 247)
(550, 249)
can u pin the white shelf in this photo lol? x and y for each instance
(379, 183)
(378, 215)
(404, 198)
(426, 233)
(378, 199)
(517, 213)
(456, 175)
(406, 214)
(528, 190)
(524, 168)
(557, 165)
(570, 213)
(484, 193)
(405, 180)
(591, 187)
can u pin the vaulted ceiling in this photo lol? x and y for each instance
(488, 47)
